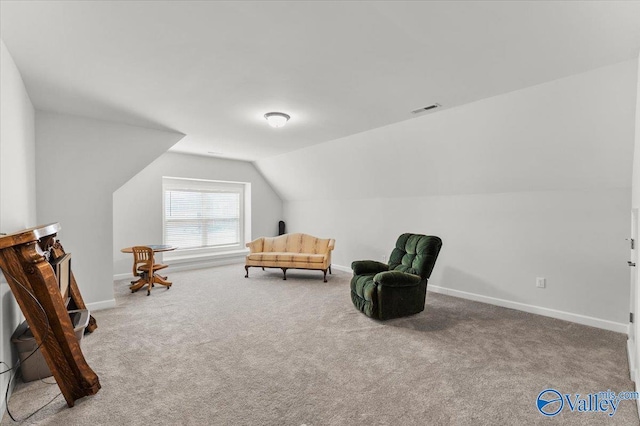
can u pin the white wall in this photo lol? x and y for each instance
(134, 226)
(17, 187)
(533, 183)
(80, 163)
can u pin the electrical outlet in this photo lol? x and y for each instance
(541, 282)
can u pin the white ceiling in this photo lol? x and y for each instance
(211, 70)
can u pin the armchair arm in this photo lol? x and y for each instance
(396, 279)
(361, 267)
(332, 245)
(255, 246)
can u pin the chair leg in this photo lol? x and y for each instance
(158, 279)
(284, 271)
(246, 268)
(325, 275)
(329, 269)
(137, 285)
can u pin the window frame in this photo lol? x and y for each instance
(216, 186)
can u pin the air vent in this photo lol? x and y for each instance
(424, 109)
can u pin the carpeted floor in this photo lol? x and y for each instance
(219, 349)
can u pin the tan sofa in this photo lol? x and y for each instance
(290, 251)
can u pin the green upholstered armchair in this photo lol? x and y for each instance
(398, 289)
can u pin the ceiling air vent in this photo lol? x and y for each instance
(424, 109)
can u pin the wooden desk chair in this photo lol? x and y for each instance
(145, 268)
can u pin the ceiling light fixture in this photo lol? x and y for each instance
(277, 119)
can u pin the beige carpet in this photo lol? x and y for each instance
(219, 349)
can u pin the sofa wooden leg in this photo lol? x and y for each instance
(329, 269)
(284, 271)
(325, 275)
(246, 268)
(263, 268)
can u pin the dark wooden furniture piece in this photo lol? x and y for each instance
(145, 267)
(26, 259)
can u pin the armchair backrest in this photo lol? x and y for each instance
(415, 254)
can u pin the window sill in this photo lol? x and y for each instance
(193, 257)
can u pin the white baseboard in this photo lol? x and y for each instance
(547, 312)
(631, 356)
(539, 310)
(118, 277)
(3, 404)
(633, 371)
(187, 266)
(104, 304)
(341, 268)
(201, 264)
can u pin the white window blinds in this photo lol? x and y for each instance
(201, 214)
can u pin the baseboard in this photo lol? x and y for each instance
(633, 372)
(547, 312)
(3, 404)
(341, 268)
(187, 266)
(118, 277)
(631, 356)
(567, 316)
(104, 304)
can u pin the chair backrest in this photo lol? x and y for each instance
(415, 254)
(142, 255)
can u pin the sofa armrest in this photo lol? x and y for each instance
(256, 246)
(396, 279)
(361, 267)
(332, 245)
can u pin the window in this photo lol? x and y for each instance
(202, 216)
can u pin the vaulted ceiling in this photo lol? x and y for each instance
(211, 70)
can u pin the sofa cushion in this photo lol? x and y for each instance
(286, 257)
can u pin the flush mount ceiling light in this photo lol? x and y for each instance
(277, 119)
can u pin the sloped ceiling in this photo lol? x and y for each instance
(571, 134)
(210, 70)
